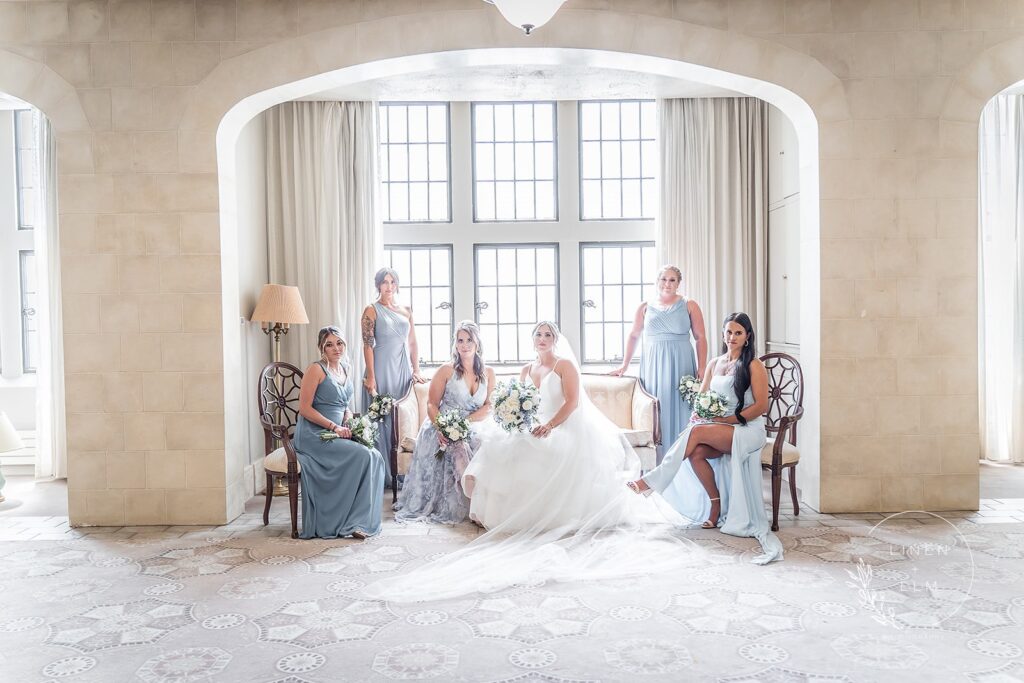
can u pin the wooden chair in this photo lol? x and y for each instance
(277, 396)
(785, 408)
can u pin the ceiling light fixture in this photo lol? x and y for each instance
(528, 15)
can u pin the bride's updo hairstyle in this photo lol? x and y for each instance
(741, 374)
(555, 332)
(674, 269)
(378, 279)
(470, 328)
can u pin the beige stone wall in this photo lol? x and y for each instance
(137, 88)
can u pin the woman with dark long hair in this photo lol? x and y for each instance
(433, 487)
(693, 479)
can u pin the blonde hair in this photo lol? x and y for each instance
(551, 326)
(332, 331)
(473, 330)
(674, 269)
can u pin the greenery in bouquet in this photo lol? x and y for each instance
(689, 387)
(707, 405)
(364, 431)
(515, 405)
(453, 426)
(380, 407)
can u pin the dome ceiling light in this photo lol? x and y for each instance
(527, 14)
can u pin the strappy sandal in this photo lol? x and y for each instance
(360, 535)
(708, 524)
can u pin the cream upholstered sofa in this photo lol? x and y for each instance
(621, 399)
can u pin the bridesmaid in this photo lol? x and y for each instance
(390, 352)
(342, 481)
(666, 325)
(433, 486)
(693, 478)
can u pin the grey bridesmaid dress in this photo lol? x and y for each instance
(342, 481)
(667, 356)
(392, 369)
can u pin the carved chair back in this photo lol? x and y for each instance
(785, 392)
(277, 396)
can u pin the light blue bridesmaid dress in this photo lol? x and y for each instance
(392, 368)
(433, 486)
(667, 356)
(737, 476)
(342, 481)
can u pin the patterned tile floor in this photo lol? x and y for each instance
(859, 598)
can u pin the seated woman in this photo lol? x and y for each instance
(692, 477)
(342, 481)
(433, 486)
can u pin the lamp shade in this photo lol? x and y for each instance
(527, 14)
(280, 304)
(9, 439)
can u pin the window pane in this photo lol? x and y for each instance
(543, 122)
(616, 154)
(29, 317)
(615, 276)
(524, 201)
(547, 270)
(590, 113)
(406, 158)
(504, 161)
(524, 122)
(505, 201)
(485, 161)
(417, 162)
(425, 277)
(545, 193)
(485, 201)
(517, 303)
(524, 161)
(503, 125)
(545, 156)
(483, 118)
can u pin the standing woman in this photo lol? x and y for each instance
(433, 486)
(666, 325)
(390, 352)
(342, 481)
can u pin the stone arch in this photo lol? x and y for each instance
(44, 89)
(991, 72)
(800, 86)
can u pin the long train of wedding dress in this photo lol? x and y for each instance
(556, 509)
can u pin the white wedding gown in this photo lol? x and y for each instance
(556, 508)
(573, 478)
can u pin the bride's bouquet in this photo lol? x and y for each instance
(364, 431)
(515, 405)
(453, 426)
(707, 405)
(380, 407)
(689, 387)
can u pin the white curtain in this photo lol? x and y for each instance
(1001, 287)
(324, 231)
(714, 205)
(51, 436)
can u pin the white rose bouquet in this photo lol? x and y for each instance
(453, 426)
(708, 405)
(515, 405)
(689, 387)
(364, 431)
(380, 407)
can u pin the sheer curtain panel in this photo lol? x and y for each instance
(1001, 286)
(714, 204)
(324, 231)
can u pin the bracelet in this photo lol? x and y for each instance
(332, 427)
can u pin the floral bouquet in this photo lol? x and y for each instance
(364, 431)
(708, 405)
(515, 405)
(380, 407)
(689, 387)
(453, 426)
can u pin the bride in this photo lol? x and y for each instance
(569, 465)
(554, 501)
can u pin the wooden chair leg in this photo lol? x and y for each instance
(269, 496)
(792, 489)
(776, 493)
(293, 502)
(393, 456)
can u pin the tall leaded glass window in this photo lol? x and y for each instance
(514, 167)
(516, 287)
(425, 280)
(26, 164)
(29, 324)
(618, 159)
(414, 162)
(615, 277)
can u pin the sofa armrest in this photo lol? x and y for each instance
(407, 415)
(646, 412)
